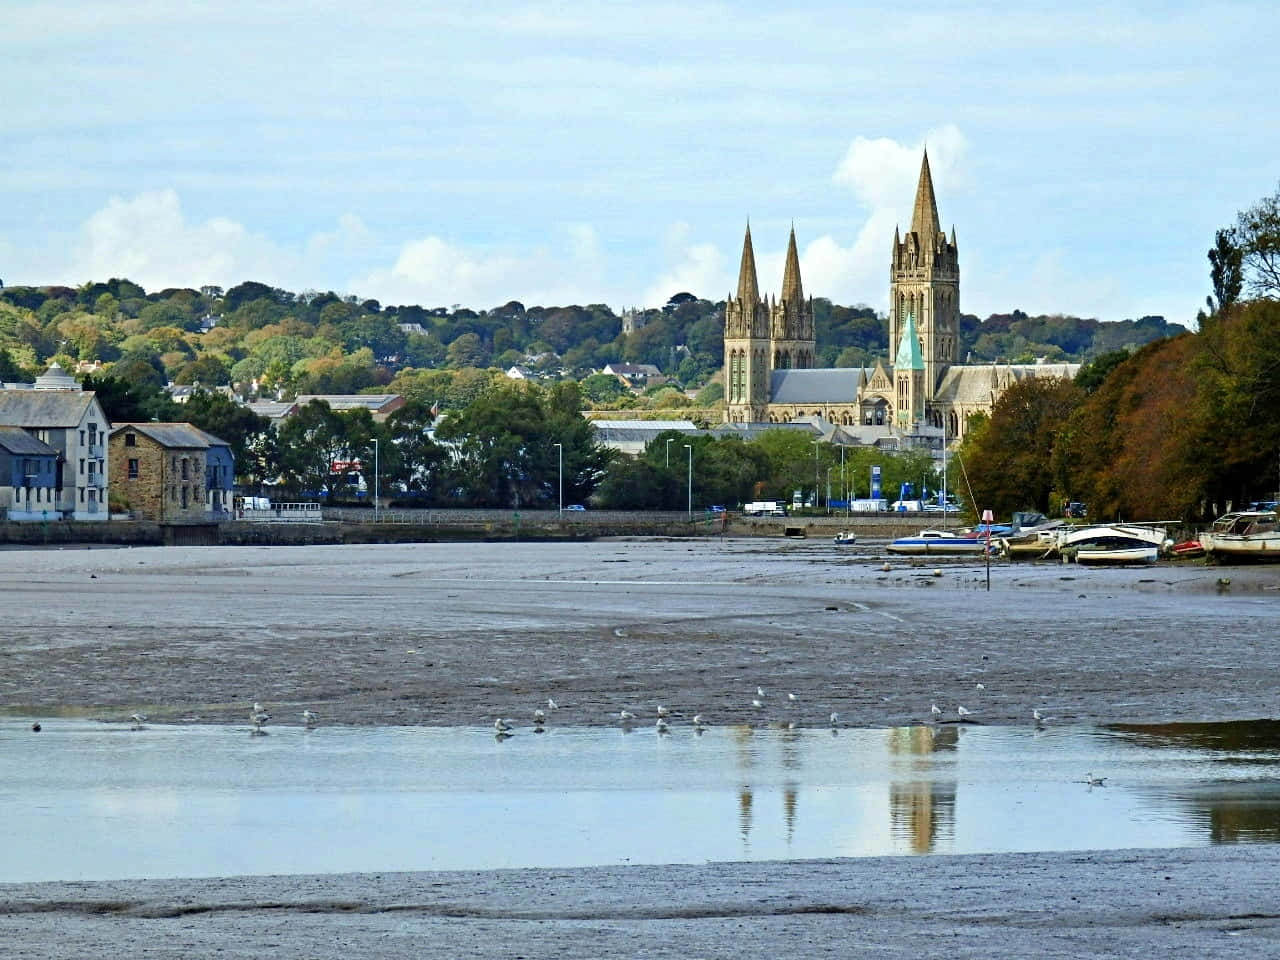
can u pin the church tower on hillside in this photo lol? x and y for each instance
(746, 345)
(791, 318)
(924, 284)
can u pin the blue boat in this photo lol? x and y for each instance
(938, 542)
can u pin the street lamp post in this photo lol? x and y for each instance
(690, 449)
(560, 476)
(816, 475)
(828, 491)
(376, 491)
(669, 439)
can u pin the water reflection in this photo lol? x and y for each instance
(98, 801)
(1245, 809)
(923, 810)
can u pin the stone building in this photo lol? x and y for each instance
(769, 345)
(159, 471)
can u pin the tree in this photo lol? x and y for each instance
(132, 400)
(244, 430)
(412, 461)
(1009, 459)
(1225, 270)
(210, 370)
(1258, 234)
(602, 389)
(311, 442)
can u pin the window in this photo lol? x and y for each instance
(173, 462)
(81, 494)
(133, 468)
(184, 493)
(82, 464)
(82, 438)
(130, 439)
(186, 469)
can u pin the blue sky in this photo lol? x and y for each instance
(442, 153)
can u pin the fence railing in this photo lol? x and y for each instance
(282, 513)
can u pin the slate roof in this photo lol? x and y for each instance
(350, 401)
(209, 438)
(174, 436)
(43, 408)
(20, 443)
(834, 385)
(978, 383)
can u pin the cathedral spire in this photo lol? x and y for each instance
(924, 219)
(748, 289)
(792, 291)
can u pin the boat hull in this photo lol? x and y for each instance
(1112, 556)
(1259, 548)
(916, 546)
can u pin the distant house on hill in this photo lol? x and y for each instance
(635, 375)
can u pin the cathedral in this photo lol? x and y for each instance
(769, 345)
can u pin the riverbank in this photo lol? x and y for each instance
(457, 634)
(1193, 904)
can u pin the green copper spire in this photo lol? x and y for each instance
(909, 357)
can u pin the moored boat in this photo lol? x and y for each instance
(1243, 535)
(1113, 543)
(845, 538)
(1124, 552)
(937, 542)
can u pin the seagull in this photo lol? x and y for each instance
(310, 718)
(757, 704)
(539, 717)
(552, 705)
(626, 716)
(661, 726)
(962, 712)
(759, 691)
(35, 727)
(792, 698)
(138, 720)
(663, 711)
(501, 726)
(698, 721)
(936, 711)
(981, 686)
(1093, 781)
(1038, 717)
(835, 719)
(258, 717)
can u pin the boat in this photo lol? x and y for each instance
(845, 538)
(1121, 551)
(938, 541)
(1115, 543)
(1243, 535)
(1188, 550)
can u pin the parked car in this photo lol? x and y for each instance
(715, 509)
(1077, 511)
(576, 507)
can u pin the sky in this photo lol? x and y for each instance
(448, 153)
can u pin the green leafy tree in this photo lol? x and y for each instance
(1226, 270)
(311, 442)
(413, 461)
(131, 400)
(248, 434)
(1258, 235)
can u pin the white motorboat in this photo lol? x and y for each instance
(1244, 535)
(845, 538)
(1121, 553)
(937, 541)
(1113, 543)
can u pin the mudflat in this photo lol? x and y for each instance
(462, 633)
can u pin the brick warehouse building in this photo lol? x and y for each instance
(158, 471)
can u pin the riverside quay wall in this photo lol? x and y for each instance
(362, 525)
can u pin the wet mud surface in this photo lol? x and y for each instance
(449, 634)
(1194, 904)
(462, 633)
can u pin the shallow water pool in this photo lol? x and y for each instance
(92, 801)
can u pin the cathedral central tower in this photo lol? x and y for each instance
(924, 283)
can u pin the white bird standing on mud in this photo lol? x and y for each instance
(663, 711)
(936, 711)
(138, 720)
(501, 726)
(310, 718)
(539, 717)
(661, 726)
(961, 712)
(835, 719)
(626, 716)
(552, 705)
(259, 717)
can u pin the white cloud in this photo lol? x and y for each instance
(694, 267)
(882, 174)
(434, 271)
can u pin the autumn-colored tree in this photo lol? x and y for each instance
(1008, 458)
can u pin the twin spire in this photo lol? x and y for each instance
(749, 287)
